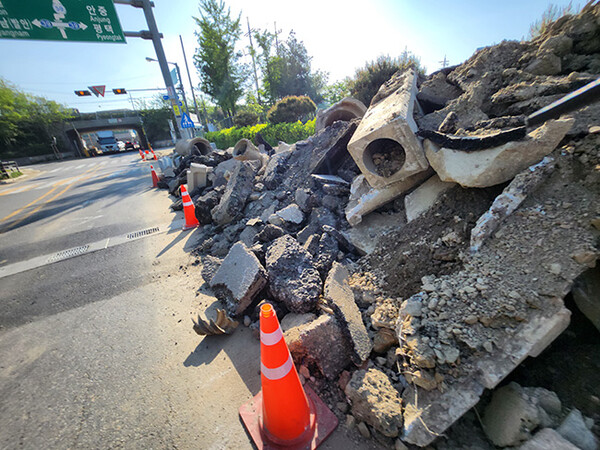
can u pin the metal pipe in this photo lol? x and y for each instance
(191, 85)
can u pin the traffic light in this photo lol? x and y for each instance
(119, 91)
(83, 93)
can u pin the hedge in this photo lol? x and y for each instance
(272, 133)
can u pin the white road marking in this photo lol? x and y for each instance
(80, 167)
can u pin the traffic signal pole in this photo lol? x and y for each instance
(154, 35)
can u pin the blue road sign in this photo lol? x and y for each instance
(186, 122)
(165, 97)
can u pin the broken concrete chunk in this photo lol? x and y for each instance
(293, 276)
(326, 253)
(375, 401)
(436, 92)
(239, 279)
(546, 439)
(276, 167)
(339, 295)
(245, 150)
(293, 320)
(239, 187)
(424, 197)
(574, 430)
(346, 109)
(510, 199)
(320, 343)
(545, 64)
(210, 265)
(384, 340)
(384, 146)
(269, 233)
(364, 198)
(499, 164)
(291, 214)
(509, 418)
(385, 315)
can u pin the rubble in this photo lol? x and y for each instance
(319, 344)
(236, 194)
(586, 293)
(239, 279)
(496, 165)
(545, 439)
(575, 430)
(424, 196)
(375, 401)
(346, 110)
(341, 299)
(293, 276)
(245, 150)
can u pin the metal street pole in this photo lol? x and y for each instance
(192, 86)
(162, 61)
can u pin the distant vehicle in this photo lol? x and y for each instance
(131, 146)
(108, 143)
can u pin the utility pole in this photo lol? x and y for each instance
(181, 88)
(154, 35)
(253, 60)
(444, 62)
(204, 119)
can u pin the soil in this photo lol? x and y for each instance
(388, 156)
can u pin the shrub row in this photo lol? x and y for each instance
(272, 133)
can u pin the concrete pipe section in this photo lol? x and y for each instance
(385, 146)
(196, 146)
(245, 150)
(344, 110)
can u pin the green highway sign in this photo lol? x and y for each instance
(56, 20)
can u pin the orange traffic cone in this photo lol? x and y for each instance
(142, 155)
(154, 177)
(154, 154)
(147, 155)
(284, 414)
(188, 210)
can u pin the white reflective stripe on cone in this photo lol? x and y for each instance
(187, 203)
(277, 373)
(271, 338)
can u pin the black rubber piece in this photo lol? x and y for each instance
(473, 143)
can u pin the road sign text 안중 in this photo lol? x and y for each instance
(60, 20)
(186, 122)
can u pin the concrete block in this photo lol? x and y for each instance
(347, 109)
(338, 293)
(197, 175)
(320, 343)
(424, 197)
(384, 146)
(574, 430)
(498, 164)
(245, 150)
(364, 198)
(239, 279)
(292, 320)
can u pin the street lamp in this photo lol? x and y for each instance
(178, 76)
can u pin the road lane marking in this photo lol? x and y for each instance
(14, 213)
(56, 186)
(44, 260)
(18, 189)
(54, 170)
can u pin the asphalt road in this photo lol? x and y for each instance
(97, 349)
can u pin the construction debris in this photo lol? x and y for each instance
(467, 241)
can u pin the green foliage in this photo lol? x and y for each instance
(551, 14)
(286, 70)
(218, 63)
(156, 123)
(13, 174)
(273, 133)
(245, 119)
(337, 91)
(369, 78)
(28, 123)
(291, 109)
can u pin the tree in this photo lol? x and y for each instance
(551, 14)
(368, 79)
(337, 91)
(28, 123)
(288, 72)
(216, 59)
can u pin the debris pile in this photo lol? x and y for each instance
(417, 251)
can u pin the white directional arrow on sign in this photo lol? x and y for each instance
(36, 23)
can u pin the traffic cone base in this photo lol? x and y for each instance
(188, 210)
(323, 422)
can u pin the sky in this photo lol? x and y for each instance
(341, 36)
